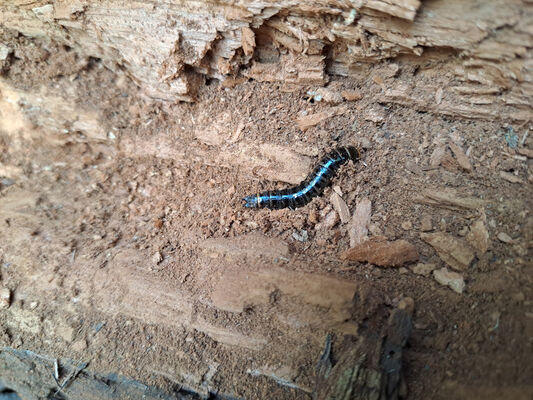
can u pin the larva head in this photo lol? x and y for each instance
(353, 152)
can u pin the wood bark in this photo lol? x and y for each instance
(370, 368)
(482, 49)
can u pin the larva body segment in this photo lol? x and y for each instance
(312, 186)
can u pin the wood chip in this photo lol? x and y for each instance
(232, 82)
(329, 95)
(379, 251)
(307, 121)
(525, 152)
(451, 250)
(340, 206)
(247, 40)
(510, 177)
(407, 225)
(79, 345)
(461, 157)
(449, 163)
(478, 236)
(437, 155)
(5, 296)
(451, 279)
(405, 9)
(157, 257)
(426, 224)
(351, 95)
(505, 238)
(424, 269)
(330, 220)
(374, 115)
(358, 230)
(438, 95)
(448, 199)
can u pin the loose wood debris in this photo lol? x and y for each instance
(461, 157)
(369, 367)
(340, 206)
(232, 82)
(248, 40)
(525, 152)
(478, 236)
(307, 121)
(426, 224)
(510, 177)
(297, 69)
(505, 238)
(351, 95)
(5, 296)
(424, 269)
(379, 251)
(448, 199)
(437, 155)
(328, 95)
(451, 250)
(453, 280)
(358, 228)
(74, 373)
(328, 222)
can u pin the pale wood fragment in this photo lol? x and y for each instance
(163, 47)
(448, 199)
(379, 251)
(307, 121)
(399, 8)
(358, 228)
(453, 251)
(461, 157)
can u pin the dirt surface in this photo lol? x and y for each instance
(131, 249)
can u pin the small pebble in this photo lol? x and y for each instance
(504, 237)
(157, 257)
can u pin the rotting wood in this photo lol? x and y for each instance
(485, 71)
(369, 368)
(79, 382)
(448, 199)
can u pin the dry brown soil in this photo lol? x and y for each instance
(132, 250)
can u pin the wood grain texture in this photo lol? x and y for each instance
(482, 49)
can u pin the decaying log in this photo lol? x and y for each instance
(369, 368)
(482, 48)
(73, 381)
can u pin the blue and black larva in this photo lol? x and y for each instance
(314, 185)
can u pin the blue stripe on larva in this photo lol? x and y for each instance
(323, 171)
(295, 198)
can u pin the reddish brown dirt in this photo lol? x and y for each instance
(81, 212)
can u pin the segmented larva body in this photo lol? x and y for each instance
(314, 185)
